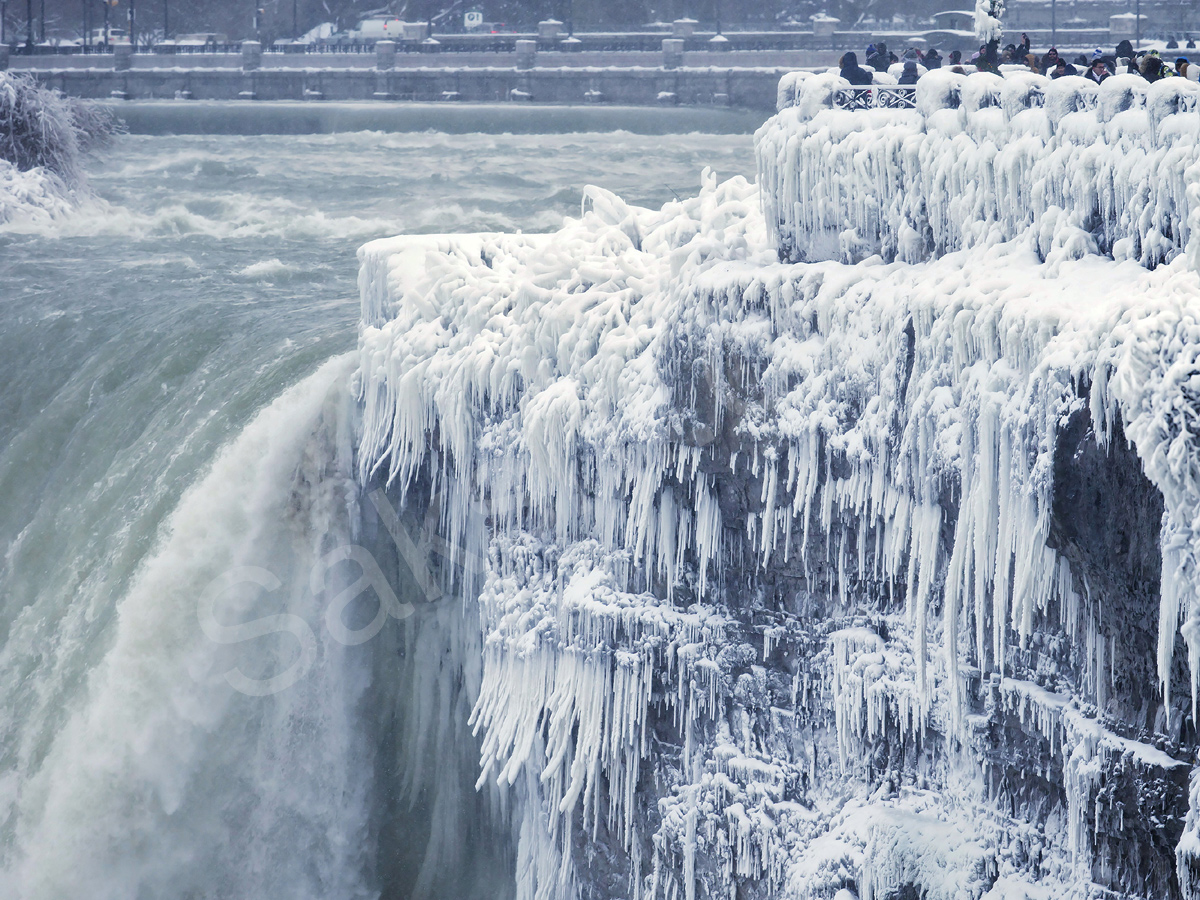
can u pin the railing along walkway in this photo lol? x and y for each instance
(904, 96)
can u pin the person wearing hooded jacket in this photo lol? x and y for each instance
(879, 60)
(852, 71)
(1151, 67)
(1062, 69)
(910, 74)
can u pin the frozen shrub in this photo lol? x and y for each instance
(40, 128)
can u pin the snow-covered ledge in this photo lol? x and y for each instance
(807, 577)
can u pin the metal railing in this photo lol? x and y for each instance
(877, 96)
(887, 96)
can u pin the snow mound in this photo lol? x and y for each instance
(35, 197)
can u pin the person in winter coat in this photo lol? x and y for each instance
(955, 57)
(879, 61)
(1098, 71)
(1151, 67)
(1062, 69)
(1125, 50)
(909, 75)
(1023, 47)
(1031, 60)
(1050, 61)
(852, 71)
(933, 59)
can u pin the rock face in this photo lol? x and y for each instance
(803, 579)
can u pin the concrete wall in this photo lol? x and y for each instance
(751, 88)
(795, 59)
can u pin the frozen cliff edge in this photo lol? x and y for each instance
(807, 579)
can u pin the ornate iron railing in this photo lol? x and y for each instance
(877, 96)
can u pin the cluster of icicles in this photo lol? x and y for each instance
(570, 394)
(1112, 168)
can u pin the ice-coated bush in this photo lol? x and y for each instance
(40, 128)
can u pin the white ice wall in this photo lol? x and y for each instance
(1113, 168)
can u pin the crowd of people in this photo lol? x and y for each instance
(914, 63)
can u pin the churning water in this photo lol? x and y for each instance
(174, 408)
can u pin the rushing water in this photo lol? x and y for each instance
(204, 300)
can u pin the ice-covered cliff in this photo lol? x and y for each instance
(860, 576)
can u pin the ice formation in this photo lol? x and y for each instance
(988, 26)
(816, 553)
(984, 159)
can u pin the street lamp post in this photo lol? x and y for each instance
(166, 20)
(29, 25)
(132, 26)
(295, 20)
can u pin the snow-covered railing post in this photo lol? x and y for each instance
(385, 55)
(672, 50)
(251, 56)
(989, 29)
(526, 54)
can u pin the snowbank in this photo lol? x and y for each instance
(34, 197)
